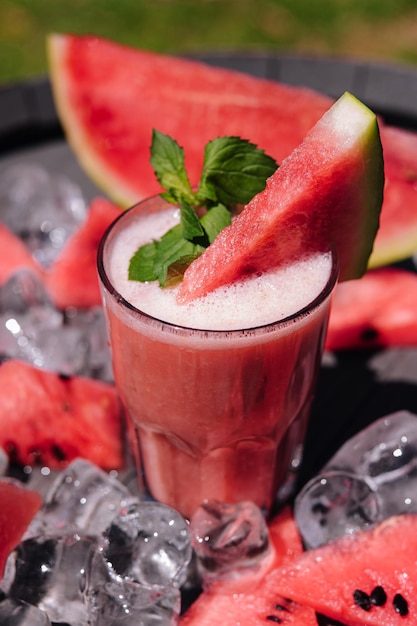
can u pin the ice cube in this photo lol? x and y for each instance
(333, 504)
(150, 543)
(131, 604)
(18, 613)
(23, 290)
(48, 573)
(34, 338)
(112, 599)
(371, 477)
(83, 499)
(33, 330)
(385, 451)
(39, 478)
(43, 209)
(92, 325)
(228, 537)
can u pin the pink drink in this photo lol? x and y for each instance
(217, 392)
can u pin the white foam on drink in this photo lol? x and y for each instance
(248, 304)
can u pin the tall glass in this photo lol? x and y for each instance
(213, 414)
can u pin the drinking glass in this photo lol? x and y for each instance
(213, 414)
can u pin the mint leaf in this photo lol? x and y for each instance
(142, 264)
(153, 261)
(168, 162)
(191, 225)
(234, 171)
(215, 220)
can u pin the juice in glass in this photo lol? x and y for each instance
(217, 392)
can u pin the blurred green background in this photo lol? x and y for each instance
(381, 30)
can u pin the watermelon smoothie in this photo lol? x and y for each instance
(217, 392)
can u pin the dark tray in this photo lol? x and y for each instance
(354, 388)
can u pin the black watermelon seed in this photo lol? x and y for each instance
(369, 334)
(400, 604)
(378, 596)
(58, 453)
(281, 607)
(64, 377)
(362, 600)
(274, 618)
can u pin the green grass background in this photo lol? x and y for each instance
(381, 30)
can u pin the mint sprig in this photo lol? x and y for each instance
(234, 171)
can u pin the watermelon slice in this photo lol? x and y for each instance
(251, 599)
(49, 419)
(18, 506)
(328, 192)
(109, 97)
(72, 279)
(378, 310)
(365, 579)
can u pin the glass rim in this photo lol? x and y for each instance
(176, 329)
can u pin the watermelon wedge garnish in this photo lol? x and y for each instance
(365, 579)
(109, 97)
(327, 193)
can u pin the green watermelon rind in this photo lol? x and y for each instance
(373, 189)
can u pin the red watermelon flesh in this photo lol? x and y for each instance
(18, 506)
(346, 580)
(109, 97)
(50, 419)
(328, 192)
(378, 310)
(251, 599)
(72, 279)
(16, 255)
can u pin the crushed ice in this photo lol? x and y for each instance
(95, 554)
(44, 210)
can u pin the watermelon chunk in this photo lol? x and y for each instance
(50, 419)
(252, 599)
(328, 192)
(368, 578)
(109, 97)
(378, 310)
(72, 279)
(18, 506)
